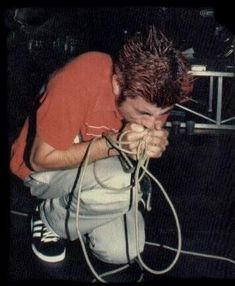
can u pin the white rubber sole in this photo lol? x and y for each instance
(52, 259)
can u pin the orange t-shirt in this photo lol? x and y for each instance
(78, 103)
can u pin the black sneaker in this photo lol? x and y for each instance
(46, 245)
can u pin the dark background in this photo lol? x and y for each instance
(39, 40)
(196, 170)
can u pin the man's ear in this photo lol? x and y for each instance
(115, 85)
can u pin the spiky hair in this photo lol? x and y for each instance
(150, 67)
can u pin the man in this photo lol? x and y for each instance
(91, 95)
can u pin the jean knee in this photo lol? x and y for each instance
(111, 243)
(117, 253)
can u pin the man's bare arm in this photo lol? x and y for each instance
(44, 157)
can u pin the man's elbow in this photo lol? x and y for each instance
(36, 163)
(41, 155)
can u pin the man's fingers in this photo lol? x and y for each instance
(136, 127)
(135, 136)
(154, 141)
(154, 154)
(158, 133)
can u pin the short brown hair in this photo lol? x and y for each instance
(152, 68)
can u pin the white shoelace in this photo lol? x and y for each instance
(40, 230)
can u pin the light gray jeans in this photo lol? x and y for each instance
(106, 215)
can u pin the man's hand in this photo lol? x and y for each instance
(134, 134)
(155, 140)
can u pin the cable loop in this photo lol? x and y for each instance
(142, 164)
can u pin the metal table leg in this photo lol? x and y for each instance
(211, 93)
(219, 100)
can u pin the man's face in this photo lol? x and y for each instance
(137, 110)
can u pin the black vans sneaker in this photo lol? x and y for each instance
(46, 245)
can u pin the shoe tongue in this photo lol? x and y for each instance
(48, 233)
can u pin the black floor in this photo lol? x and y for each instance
(197, 173)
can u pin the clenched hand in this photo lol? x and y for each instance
(155, 140)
